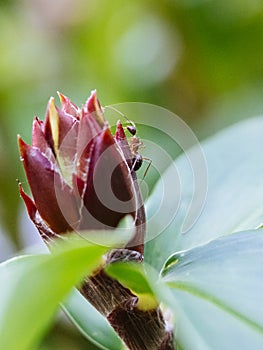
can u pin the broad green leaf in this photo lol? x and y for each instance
(234, 193)
(33, 286)
(215, 292)
(91, 323)
(130, 275)
(119, 237)
(134, 277)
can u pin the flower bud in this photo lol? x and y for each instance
(79, 173)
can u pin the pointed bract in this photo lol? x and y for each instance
(88, 131)
(45, 232)
(119, 134)
(68, 106)
(30, 205)
(79, 174)
(39, 141)
(67, 140)
(121, 140)
(93, 106)
(54, 199)
(109, 193)
(48, 127)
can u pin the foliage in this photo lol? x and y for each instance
(213, 78)
(211, 283)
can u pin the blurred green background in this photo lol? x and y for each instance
(201, 59)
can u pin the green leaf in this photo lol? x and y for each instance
(134, 277)
(119, 237)
(234, 193)
(216, 293)
(131, 275)
(91, 323)
(94, 326)
(33, 286)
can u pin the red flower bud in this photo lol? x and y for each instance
(79, 174)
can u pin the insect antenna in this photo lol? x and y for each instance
(131, 128)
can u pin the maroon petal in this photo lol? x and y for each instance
(88, 131)
(38, 137)
(121, 140)
(93, 103)
(109, 195)
(30, 205)
(68, 106)
(53, 198)
(137, 243)
(67, 138)
(93, 106)
(45, 232)
(91, 123)
(79, 187)
(120, 134)
(48, 127)
(61, 130)
(66, 124)
(39, 141)
(58, 124)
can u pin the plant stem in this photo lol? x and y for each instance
(139, 329)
